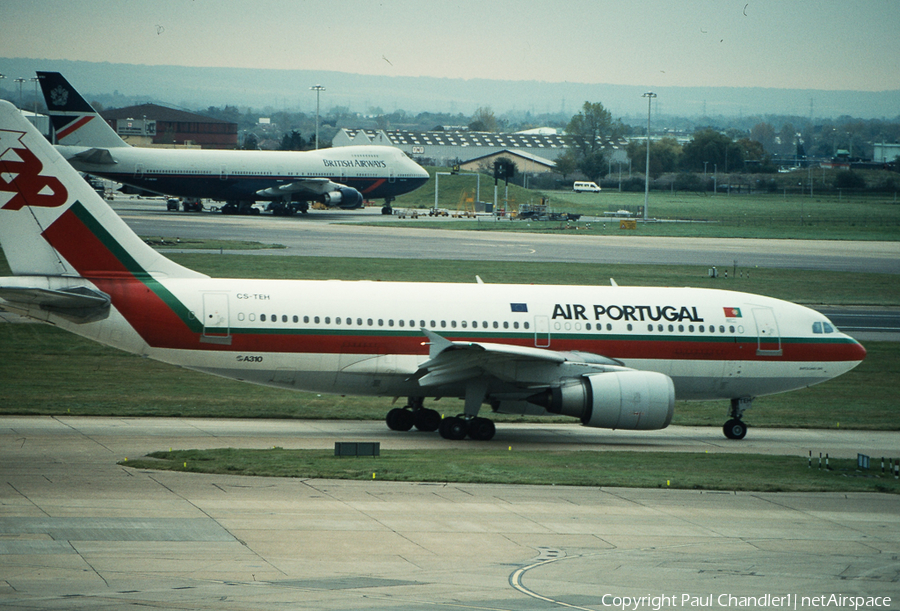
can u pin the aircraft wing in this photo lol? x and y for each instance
(315, 186)
(453, 362)
(78, 304)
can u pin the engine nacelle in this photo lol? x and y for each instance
(634, 400)
(344, 197)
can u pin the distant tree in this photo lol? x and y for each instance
(712, 147)
(566, 164)
(788, 137)
(251, 143)
(764, 133)
(848, 179)
(292, 141)
(484, 120)
(586, 133)
(665, 155)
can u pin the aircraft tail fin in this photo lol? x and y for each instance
(75, 122)
(52, 223)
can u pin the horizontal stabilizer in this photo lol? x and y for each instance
(95, 156)
(79, 304)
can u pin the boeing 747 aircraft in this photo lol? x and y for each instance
(338, 177)
(610, 356)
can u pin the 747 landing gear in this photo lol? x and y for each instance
(387, 209)
(413, 415)
(457, 427)
(736, 428)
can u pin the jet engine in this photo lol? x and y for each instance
(635, 400)
(344, 197)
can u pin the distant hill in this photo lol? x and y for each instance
(194, 88)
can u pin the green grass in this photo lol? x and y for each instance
(50, 372)
(809, 287)
(619, 469)
(164, 243)
(764, 215)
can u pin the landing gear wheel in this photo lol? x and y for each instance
(387, 210)
(427, 420)
(735, 429)
(453, 428)
(481, 429)
(399, 419)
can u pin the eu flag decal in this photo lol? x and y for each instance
(518, 307)
(732, 312)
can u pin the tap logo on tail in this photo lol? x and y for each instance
(20, 173)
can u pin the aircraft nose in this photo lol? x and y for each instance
(855, 351)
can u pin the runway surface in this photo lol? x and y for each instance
(328, 234)
(77, 531)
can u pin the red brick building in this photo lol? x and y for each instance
(157, 125)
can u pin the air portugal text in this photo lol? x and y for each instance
(636, 313)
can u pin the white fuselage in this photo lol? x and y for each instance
(366, 337)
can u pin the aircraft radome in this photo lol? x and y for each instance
(340, 177)
(611, 356)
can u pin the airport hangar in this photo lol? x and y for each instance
(533, 151)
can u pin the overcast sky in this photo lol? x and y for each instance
(817, 44)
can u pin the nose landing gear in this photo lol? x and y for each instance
(735, 428)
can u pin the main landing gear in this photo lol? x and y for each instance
(414, 414)
(736, 428)
(387, 209)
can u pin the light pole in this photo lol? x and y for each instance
(317, 89)
(20, 81)
(649, 95)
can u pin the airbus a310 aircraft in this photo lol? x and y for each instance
(338, 177)
(611, 356)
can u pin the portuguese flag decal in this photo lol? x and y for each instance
(732, 312)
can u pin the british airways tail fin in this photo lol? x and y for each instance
(75, 122)
(52, 224)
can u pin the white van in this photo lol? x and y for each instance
(586, 187)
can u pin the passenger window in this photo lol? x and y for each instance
(262, 317)
(337, 320)
(349, 321)
(526, 325)
(402, 322)
(296, 319)
(629, 326)
(453, 323)
(284, 318)
(328, 320)
(306, 319)
(391, 322)
(464, 324)
(701, 328)
(506, 325)
(380, 322)
(681, 328)
(721, 328)
(731, 329)
(496, 326)
(649, 327)
(609, 326)
(369, 322)
(443, 324)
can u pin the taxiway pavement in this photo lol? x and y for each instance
(78, 531)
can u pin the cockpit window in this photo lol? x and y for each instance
(823, 327)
